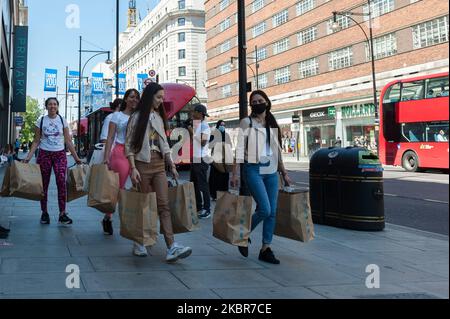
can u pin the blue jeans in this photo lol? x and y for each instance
(264, 190)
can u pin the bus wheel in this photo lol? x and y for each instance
(410, 161)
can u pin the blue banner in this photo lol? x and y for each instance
(141, 78)
(97, 83)
(122, 83)
(73, 82)
(50, 80)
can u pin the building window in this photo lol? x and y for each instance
(261, 54)
(257, 5)
(224, 4)
(282, 75)
(225, 68)
(259, 29)
(340, 59)
(281, 46)
(225, 46)
(304, 6)
(225, 24)
(343, 21)
(280, 18)
(430, 32)
(181, 37)
(262, 81)
(181, 54)
(226, 91)
(378, 8)
(308, 68)
(182, 71)
(307, 35)
(382, 47)
(181, 4)
(181, 22)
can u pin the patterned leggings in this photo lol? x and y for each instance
(57, 160)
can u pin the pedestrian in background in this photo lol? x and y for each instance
(51, 133)
(262, 186)
(148, 153)
(116, 159)
(115, 107)
(200, 133)
(218, 181)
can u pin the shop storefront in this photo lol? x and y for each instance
(319, 127)
(358, 126)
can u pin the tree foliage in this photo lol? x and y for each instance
(30, 118)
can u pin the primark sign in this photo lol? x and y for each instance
(19, 99)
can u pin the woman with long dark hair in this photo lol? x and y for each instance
(218, 180)
(116, 160)
(260, 179)
(148, 152)
(51, 135)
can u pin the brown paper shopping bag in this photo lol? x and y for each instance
(77, 175)
(182, 206)
(26, 181)
(4, 192)
(138, 216)
(103, 189)
(294, 218)
(232, 218)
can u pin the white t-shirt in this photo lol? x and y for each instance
(121, 121)
(52, 135)
(203, 129)
(105, 127)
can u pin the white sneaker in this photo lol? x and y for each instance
(140, 250)
(177, 251)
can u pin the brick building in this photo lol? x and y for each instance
(321, 74)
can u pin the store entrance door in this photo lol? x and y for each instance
(319, 136)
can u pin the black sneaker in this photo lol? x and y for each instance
(45, 219)
(64, 219)
(243, 251)
(4, 230)
(107, 226)
(205, 214)
(268, 256)
(3, 235)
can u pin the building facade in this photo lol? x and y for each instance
(169, 40)
(14, 13)
(319, 73)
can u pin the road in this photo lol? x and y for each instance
(417, 200)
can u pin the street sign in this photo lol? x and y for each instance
(295, 127)
(18, 120)
(295, 118)
(152, 73)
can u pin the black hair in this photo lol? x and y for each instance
(123, 105)
(219, 123)
(49, 99)
(143, 111)
(115, 104)
(271, 122)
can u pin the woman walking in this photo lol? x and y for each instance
(115, 107)
(116, 160)
(262, 184)
(148, 153)
(51, 135)
(218, 180)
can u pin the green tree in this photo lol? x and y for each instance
(30, 118)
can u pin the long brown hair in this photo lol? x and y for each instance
(143, 113)
(271, 122)
(123, 103)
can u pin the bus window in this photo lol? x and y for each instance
(392, 94)
(437, 87)
(413, 90)
(437, 131)
(413, 132)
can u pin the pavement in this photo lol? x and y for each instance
(411, 264)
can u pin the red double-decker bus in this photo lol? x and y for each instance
(414, 115)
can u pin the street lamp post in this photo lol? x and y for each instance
(336, 26)
(81, 70)
(117, 47)
(256, 76)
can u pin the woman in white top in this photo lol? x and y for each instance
(115, 107)
(51, 135)
(116, 159)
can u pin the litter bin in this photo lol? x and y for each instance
(346, 188)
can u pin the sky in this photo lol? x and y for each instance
(54, 44)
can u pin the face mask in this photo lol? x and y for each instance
(222, 129)
(259, 108)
